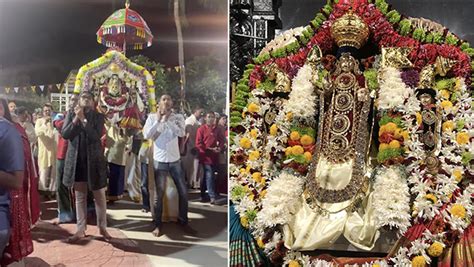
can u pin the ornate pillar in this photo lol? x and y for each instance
(252, 25)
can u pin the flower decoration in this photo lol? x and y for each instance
(418, 261)
(431, 197)
(245, 143)
(436, 249)
(253, 108)
(462, 138)
(458, 210)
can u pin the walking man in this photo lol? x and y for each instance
(85, 166)
(163, 128)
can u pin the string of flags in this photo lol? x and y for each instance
(38, 89)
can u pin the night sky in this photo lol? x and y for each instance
(42, 40)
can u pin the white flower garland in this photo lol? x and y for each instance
(464, 200)
(444, 185)
(392, 198)
(283, 39)
(281, 200)
(302, 99)
(393, 91)
(391, 193)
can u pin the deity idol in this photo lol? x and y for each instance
(337, 180)
(119, 103)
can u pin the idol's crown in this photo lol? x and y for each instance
(350, 30)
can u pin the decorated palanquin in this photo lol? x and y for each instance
(357, 127)
(123, 90)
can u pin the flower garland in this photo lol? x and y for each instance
(117, 61)
(391, 193)
(392, 199)
(302, 98)
(393, 91)
(438, 195)
(391, 100)
(280, 202)
(381, 20)
(283, 39)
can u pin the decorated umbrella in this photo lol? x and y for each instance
(125, 28)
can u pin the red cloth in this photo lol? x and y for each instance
(461, 253)
(24, 209)
(62, 143)
(208, 137)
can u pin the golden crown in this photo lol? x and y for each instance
(350, 30)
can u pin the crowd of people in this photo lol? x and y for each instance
(87, 162)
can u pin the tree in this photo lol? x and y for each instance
(165, 82)
(206, 87)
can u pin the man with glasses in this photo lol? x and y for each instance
(84, 165)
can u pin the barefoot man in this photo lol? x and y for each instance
(163, 128)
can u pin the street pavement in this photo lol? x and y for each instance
(132, 243)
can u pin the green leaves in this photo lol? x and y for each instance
(405, 27)
(371, 79)
(393, 16)
(419, 34)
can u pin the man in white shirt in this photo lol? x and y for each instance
(163, 128)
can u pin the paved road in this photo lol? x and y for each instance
(133, 244)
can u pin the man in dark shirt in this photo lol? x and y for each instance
(84, 165)
(210, 142)
(12, 164)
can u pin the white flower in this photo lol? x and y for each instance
(281, 200)
(245, 204)
(271, 244)
(419, 247)
(392, 198)
(302, 99)
(393, 91)
(282, 40)
(401, 258)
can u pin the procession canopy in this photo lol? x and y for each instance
(125, 27)
(124, 91)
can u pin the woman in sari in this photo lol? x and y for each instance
(24, 206)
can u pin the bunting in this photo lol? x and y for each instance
(39, 89)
